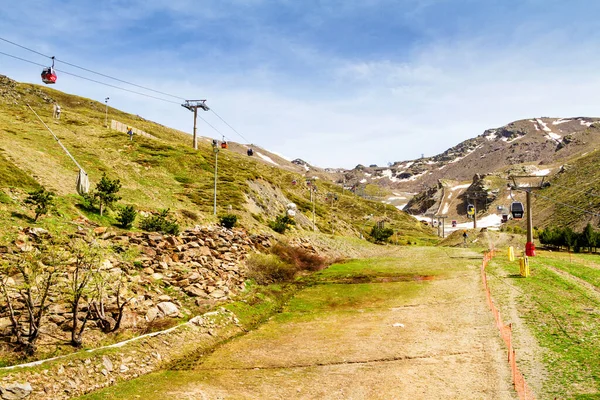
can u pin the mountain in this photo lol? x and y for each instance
(524, 146)
(160, 170)
(476, 172)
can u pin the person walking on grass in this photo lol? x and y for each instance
(56, 111)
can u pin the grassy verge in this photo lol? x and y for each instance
(563, 315)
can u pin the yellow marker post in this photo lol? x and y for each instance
(511, 254)
(524, 264)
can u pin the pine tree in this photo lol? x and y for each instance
(106, 192)
(41, 199)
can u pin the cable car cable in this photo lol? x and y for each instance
(109, 85)
(94, 72)
(576, 190)
(566, 205)
(232, 128)
(91, 80)
(114, 86)
(118, 80)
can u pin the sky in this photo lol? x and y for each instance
(334, 82)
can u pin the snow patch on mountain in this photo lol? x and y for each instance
(542, 172)
(492, 135)
(269, 160)
(466, 185)
(561, 121)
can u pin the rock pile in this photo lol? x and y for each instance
(205, 263)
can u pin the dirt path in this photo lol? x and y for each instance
(422, 339)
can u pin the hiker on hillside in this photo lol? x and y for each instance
(56, 111)
(130, 132)
(465, 236)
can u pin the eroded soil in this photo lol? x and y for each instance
(384, 338)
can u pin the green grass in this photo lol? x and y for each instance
(563, 316)
(259, 303)
(157, 174)
(12, 176)
(578, 186)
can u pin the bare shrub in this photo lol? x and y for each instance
(269, 268)
(303, 259)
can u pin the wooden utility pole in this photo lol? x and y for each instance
(442, 225)
(194, 105)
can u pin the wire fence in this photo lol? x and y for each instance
(521, 387)
(121, 127)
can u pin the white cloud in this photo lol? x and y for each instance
(303, 99)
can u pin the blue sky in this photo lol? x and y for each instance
(334, 82)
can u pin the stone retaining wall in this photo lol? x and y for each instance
(85, 372)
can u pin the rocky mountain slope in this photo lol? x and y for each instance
(538, 144)
(476, 170)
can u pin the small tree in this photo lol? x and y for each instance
(380, 235)
(160, 223)
(282, 223)
(588, 237)
(106, 192)
(104, 285)
(126, 216)
(84, 270)
(41, 200)
(30, 292)
(228, 220)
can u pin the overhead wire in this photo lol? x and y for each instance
(578, 191)
(566, 205)
(118, 87)
(91, 80)
(231, 127)
(92, 71)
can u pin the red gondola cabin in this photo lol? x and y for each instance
(49, 74)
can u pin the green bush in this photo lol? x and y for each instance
(268, 268)
(160, 223)
(126, 216)
(228, 220)
(41, 199)
(282, 223)
(380, 235)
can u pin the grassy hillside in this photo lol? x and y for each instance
(155, 173)
(573, 192)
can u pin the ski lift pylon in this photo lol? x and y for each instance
(49, 74)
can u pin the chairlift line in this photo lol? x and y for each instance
(89, 79)
(49, 77)
(91, 71)
(567, 205)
